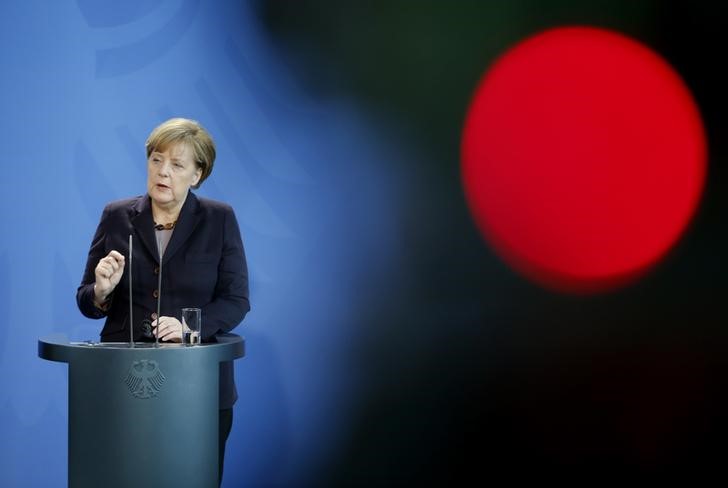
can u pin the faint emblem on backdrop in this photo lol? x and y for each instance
(144, 379)
(136, 43)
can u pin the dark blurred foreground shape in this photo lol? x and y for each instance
(474, 373)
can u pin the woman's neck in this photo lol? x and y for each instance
(165, 215)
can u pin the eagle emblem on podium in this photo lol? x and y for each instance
(144, 379)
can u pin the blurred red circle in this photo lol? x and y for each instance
(583, 158)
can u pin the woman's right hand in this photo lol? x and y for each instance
(108, 274)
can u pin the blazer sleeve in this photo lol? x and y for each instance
(85, 292)
(230, 302)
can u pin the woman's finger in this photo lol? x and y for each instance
(116, 256)
(105, 267)
(103, 270)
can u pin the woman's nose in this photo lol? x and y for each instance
(163, 169)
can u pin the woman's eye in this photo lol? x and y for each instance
(177, 165)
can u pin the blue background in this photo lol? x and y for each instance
(387, 344)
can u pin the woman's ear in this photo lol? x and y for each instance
(196, 178)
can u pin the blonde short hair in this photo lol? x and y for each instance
(187, 131)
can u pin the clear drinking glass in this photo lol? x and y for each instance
(191, 326)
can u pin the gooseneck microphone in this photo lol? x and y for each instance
(131, 305)
(159, 289)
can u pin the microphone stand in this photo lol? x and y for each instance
(131, 306)
(159, 291)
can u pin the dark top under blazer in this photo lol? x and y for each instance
(204, 266)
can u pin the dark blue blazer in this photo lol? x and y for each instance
(203, 266)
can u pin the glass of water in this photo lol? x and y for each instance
(191, 326)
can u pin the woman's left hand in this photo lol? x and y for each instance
(168, 329)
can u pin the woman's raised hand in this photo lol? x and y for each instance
(108, 274)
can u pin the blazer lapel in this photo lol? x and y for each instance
(186, 223)
(143, 223)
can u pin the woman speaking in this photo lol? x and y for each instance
(196, 241)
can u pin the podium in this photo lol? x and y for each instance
(142, 416)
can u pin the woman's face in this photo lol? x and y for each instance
(170, 174)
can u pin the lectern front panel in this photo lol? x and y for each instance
(142, 416)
